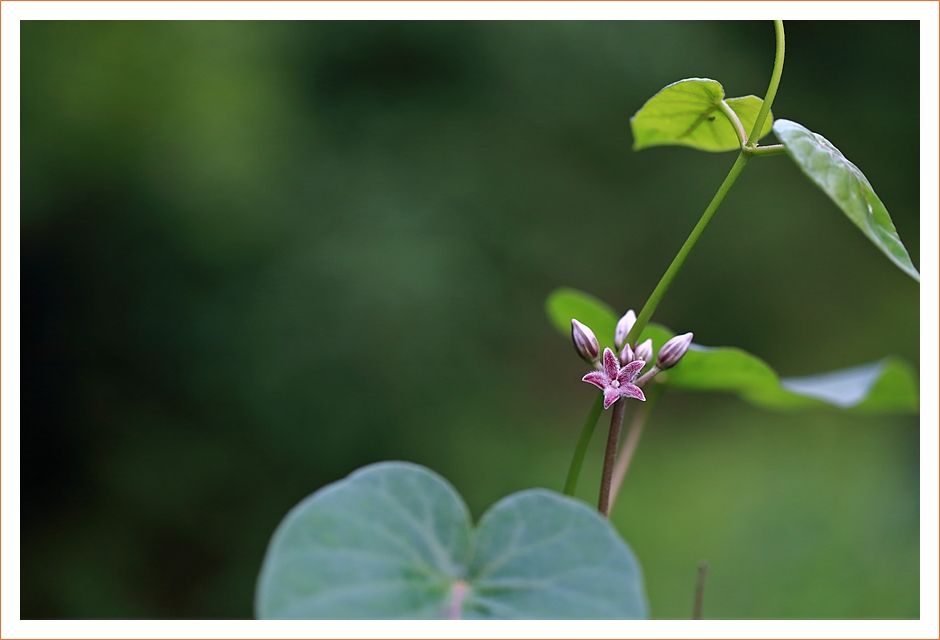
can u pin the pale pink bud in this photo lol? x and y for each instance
(644, 351)
(623, 328)
(672, 352)
(585, 342)
(626, 355)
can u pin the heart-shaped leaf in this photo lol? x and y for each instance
(539, 554)
(847, 186)
(394, 540)
(885, 386)
(688, 112)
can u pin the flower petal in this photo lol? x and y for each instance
(611, 364)
(623, 328)
(628, 390)
(611, 396)
(598, 378)
(630, 371)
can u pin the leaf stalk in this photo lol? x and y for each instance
(769, 150)
(735, 122)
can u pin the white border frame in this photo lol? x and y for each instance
(11, 13)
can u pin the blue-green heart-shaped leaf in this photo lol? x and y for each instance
(394, 541)
(386, 542)
(542, 555)
(688, 113)
(885, 386)
(847, 186)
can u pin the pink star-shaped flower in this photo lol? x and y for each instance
(615, 381)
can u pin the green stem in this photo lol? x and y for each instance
(673, 269)
(769, 150)
(587, 431)
(749, 150)
(771, 89)
(735, 122)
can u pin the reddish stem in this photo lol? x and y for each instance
(616, 421)
(453, 612)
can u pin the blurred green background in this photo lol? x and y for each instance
(258, 255)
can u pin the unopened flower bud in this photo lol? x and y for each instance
(671, 353)
(644, 352)
(626, 355)
(623, 328)
(585, 342)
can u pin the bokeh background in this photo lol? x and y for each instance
(258, 255)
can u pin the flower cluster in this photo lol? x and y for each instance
(617, 375)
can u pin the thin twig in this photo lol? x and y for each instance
(699, 590)
(626, 453)
(633, 438)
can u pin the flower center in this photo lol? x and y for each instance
(615, 383)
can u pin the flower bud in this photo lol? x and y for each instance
(672, 352)
(585, 342)
(623, 328)
(626, 355)
(644, 352)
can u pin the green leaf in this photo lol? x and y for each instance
(393, 541)
(885, 386)
(543, 555)
(689, 113)
(386, 542)
(847, 186)
(566, 304)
